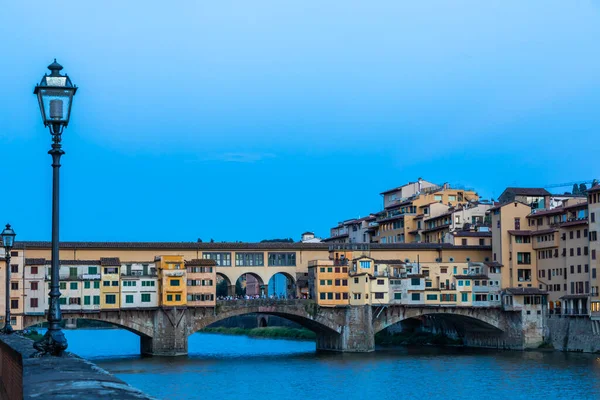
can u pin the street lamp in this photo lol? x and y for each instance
(55, 96)
(8, 240)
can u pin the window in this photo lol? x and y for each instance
(249, 259)
(34, 270)
(145, 297)
(74, 300)
(322, 270)
(111, 270)
(464, 297)
(415, 296)
(106, 283)
(129, 283)
(62, 301)
(174, 282)
(329, 296)
(148, 283)
(222, 259)
(34, 286)
(86, 300)
(96, 284)
(115, 283)
(73, 286)
(378, 295)
(322, 296)
(63, 286)
(169, 297)
(111, 299)
(14, 268)
(380, 281)
(177, 297)
(467, 283)
(129, 299)
(397, 296)
(14, 286)
(464, 242)
(322, 282)
(282, 259)
(33, 302)
(517, 224)
(415, 281)
(96, 300)
(365, 264)
(432, 297)
(355, 280)
(73, 272)
(86, 284)
(93, 270)
(523, 258)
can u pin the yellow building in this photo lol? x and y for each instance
(405, 207)
(594, 251)
(328, 282)
(172, 282)
(110, 283)
(511, 245)
(201, 282)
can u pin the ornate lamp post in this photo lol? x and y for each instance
(8, 240)
(55, 96)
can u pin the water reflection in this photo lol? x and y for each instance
(232, 367)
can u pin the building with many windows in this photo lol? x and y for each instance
(594, 249)
(139, 285)
(172, 280)
(201, 282)
(110, 283)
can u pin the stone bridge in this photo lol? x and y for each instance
(165, 331)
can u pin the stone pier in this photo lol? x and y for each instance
(170, 335)
(356, 336)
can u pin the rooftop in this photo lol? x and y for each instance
(527, 191)
(472, 234)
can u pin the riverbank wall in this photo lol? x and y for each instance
(578, 334)
(54, 378)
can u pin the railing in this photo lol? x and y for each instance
(262, 302)
(89, 276)
(582, 312)
(139, 273)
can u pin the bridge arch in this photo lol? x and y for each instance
(275, 284)
(141, 325)
(305, 315)
(461, 318)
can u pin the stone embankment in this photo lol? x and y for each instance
(55, 378)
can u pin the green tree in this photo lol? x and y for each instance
(222, 288)
(575, 189)
(239, 290)
(594, 182)
(582, 188)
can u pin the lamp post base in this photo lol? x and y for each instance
(7, 330)
(53, 343)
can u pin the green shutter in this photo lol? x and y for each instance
(86, 300)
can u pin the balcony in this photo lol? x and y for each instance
(139, 273)
(576, 312)
(89, 277)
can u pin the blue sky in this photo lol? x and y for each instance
(249, 120)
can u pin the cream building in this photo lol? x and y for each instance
(139, 285)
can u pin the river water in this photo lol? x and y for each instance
(238, 367)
